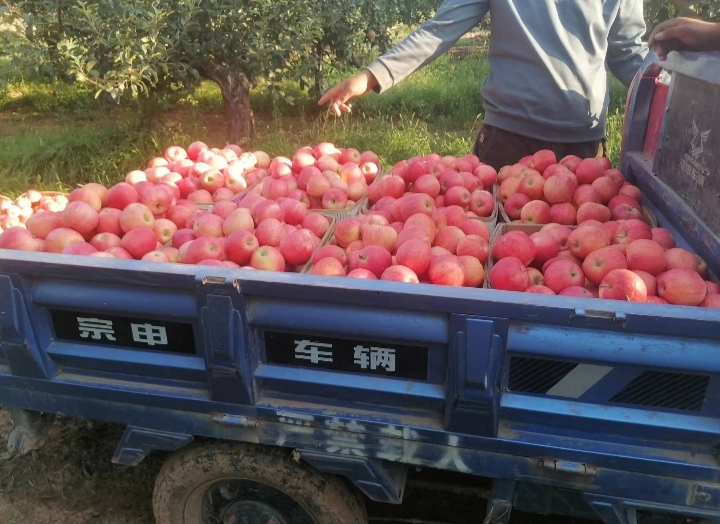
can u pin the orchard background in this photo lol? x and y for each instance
(91, 90)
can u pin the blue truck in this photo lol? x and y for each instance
(287, 398)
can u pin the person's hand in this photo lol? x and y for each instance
(339, 96)
(684, 33)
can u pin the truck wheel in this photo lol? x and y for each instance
(229, 483)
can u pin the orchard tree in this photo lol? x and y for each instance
(657, 11)
(349, 29)
(133, 47)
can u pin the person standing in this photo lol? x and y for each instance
(547, 87)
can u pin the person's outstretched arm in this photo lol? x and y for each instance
(626, 50)
(684, 33)
(453, 19)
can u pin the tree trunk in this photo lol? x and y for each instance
(235, 90)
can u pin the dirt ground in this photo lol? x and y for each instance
(72, 480)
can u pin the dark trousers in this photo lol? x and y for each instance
(499, 148)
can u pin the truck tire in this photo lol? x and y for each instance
(235, 483)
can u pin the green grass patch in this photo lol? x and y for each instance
(62, 159)
(438, 109)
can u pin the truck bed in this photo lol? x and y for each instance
(618, 402)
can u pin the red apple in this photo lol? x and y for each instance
(270, 232)
(632, 229)
(563, 213)
(536, 212)
(592, 211)
(380, 235)
(514, 204)
(391, 185)
(375, 259)
(41, 224)
(240, 246)
(139, 241)
(79, 216)
(413, 203)
(121, 195)
(361, 273)
(532, 186)
(448, 238)
(650, 282)
(473, 271)
(543, 159)
(296, 247)
(399, 273)
(330, 251)
(589, 170)
(559, 188)
(164, 230)
(427, 184)
(182, 236)
(425, 222)
(473, 226)
(509, 274)
(586, 239)
(631, 191)
(606, 188)
(712, 288)
(79, 248)
(486, 174)
(446, 270)
(681, 287)
(267, 258)
(663, 237)
(576, 291)
(89, 196)
(540, 290)
(330, 267)
(508, 188)
(267, 209)
(208, 225)
(457, 196)
(562, 274)
(474, 245)
(454, 215)
(316, 223)
(645, 255)
(546, 247)
(104, 241)
(415, 254)
(623, 284)
(600, 262)
(238, 220)
(482, 203)
(617, 177)
(583, 194)
(19, 238)
(514, 244)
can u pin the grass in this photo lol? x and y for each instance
(57, 135)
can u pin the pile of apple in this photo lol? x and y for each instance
(424, 245)
(323, 177)
(202, 174)
(463, 183)
(541, 190)
(620, 260)
(15, 213)
(145, 222)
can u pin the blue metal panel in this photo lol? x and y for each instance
(379, 480)
(137, 443)
(17, 339)
(474, 374)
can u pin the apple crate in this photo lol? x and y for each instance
(500, 230)
(328, 238)
(647, 216)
